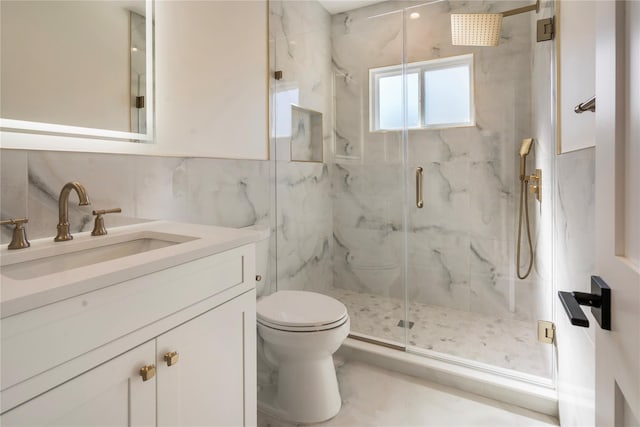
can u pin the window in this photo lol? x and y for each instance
(439, 95)
(284, 98)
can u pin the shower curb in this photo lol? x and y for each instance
(529, 396)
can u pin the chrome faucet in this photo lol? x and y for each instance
(63, 208)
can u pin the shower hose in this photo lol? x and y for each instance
(524, 197)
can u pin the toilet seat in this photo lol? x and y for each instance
(300, 311)
(289, 328)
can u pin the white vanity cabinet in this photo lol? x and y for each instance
(112, 394)
(207, 385)
(78, 361)
(204, 385)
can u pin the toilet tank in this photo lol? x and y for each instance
(262, 257)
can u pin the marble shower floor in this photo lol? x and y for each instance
(373, 396)
(505, 343)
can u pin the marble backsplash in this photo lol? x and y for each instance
(230, 193)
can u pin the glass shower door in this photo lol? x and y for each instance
(339, 220)
(466, 303)
(367, 172)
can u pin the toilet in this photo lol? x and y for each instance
(298, 332)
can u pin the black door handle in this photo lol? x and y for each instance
(599, 300)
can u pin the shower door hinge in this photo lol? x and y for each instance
(546, 331)
(545, 29)
(139, 102)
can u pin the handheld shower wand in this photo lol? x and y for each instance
(525, 149)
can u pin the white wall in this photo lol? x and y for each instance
(211, 82)
(574, 263)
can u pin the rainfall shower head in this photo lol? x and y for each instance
(476, 29)
(481, 29)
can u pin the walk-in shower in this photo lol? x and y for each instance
(396, 97)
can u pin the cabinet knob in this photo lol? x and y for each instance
(171, 358)
(148, 372)
(258, 278)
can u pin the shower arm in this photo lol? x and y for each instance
(524, 9)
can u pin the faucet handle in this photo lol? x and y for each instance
(98, 227)
(19, 237)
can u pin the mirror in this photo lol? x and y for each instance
(79, 68)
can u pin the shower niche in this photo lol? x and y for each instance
(306, 135)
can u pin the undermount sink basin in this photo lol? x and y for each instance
(109, 250)
(49, 271)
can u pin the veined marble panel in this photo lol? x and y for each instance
(304, 226)
(107, 178)
(230, 193)
(302, 220)
(301, 50)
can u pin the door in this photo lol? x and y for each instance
(618, 210)
(205, 368)
(466, 302)
(111, 394)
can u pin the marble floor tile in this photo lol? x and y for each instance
(485, 338)
(373, 396)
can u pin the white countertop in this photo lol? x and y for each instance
(17, 296)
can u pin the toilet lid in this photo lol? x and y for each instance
(300, 308)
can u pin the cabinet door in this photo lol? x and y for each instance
(112, 394)
(212, 91)
(211, 382)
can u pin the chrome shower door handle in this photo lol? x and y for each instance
(419, 176)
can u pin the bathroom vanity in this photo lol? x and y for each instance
(153, 324)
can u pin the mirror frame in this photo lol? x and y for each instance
(23, 134)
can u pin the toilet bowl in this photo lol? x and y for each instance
(298, 332)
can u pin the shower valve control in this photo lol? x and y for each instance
(535, 184)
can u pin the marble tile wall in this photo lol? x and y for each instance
(461, 245)
(301, 49)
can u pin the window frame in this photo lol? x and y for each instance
(375, 74)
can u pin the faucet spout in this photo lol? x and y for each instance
(63, 208)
